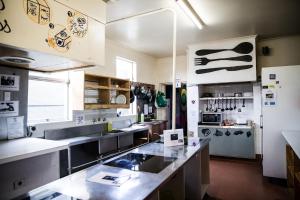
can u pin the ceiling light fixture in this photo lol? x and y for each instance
(190, 12)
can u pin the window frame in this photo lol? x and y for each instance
(67, 100)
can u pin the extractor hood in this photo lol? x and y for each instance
(37, 61)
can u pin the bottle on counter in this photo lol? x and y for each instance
(142, 117)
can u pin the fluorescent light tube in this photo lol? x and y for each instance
(190, 12)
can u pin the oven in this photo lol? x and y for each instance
(212, 118)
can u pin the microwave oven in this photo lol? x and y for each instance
(212, 118)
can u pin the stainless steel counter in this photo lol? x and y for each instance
(233, 127)
(13, 150)
(140, 186)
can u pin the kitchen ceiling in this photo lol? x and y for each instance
(223, 18)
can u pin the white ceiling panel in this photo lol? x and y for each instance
(223, 19)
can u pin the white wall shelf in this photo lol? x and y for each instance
(216, 98)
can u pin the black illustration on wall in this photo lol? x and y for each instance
(233, 68)
(204, 60)
(2, 5)
(242, 48)
(77, 24)
(38, 11)
(59, 38)
(4, 26)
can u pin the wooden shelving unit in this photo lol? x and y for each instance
(293, 173)
(93, 92)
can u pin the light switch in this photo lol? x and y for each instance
(6, 96)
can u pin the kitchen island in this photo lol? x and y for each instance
(187, 175)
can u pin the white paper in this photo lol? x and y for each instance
(111, 178)
(6, 96)
(9, 108)
(178, 83)
(15, 127)
(173, 137)
(9, 82)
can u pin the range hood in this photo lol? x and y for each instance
(37, 61)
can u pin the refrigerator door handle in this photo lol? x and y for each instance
(261, 121)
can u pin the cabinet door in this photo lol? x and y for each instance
(243, 143)
(50, 27)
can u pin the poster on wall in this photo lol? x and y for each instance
(9, 108)
(231, 60)
(15, 127)
(9, 82)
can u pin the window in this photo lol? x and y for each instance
(126, 69)
(48, 97)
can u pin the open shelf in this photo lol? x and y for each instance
(216, 98)
(92, 92)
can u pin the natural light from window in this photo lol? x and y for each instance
(48, 97)
(126, 69)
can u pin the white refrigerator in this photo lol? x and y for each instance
(281, 111)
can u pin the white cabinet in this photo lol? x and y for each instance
(56, 28)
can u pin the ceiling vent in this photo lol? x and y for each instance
(17, 60)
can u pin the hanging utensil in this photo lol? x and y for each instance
(216, 106)
(234, 104)
(230, 107)
(222, 110)
(226, 105)
(239, 109)
(243, 103)
(207, 105)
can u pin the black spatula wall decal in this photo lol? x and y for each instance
(242, 48)
(233, 68)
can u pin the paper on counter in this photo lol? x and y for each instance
(110, 178)
(15, 127)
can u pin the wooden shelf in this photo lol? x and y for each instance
(121, 89)
(220, 98)
(105, 88)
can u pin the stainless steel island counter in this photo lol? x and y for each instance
(183, 177)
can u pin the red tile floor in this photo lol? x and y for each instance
(241, 180)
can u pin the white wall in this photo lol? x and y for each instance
(145, 63)
(164, 69)
(283, 51)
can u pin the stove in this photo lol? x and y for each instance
(142, 162)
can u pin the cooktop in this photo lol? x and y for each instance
(142, 162)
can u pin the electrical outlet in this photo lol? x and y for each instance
(19, 184)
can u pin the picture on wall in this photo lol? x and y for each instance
(9, 82)
(9, 108)
(231, 60)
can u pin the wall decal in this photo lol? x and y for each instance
(59, 38)
(234, 68)
(77, 24)
(242, 48)
(4, 26)
(204, 60)
(38, 11)
(223, 61)
(2, 5)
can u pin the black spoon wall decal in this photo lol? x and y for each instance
(242, 48)
(204, 60)
(234, 68)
